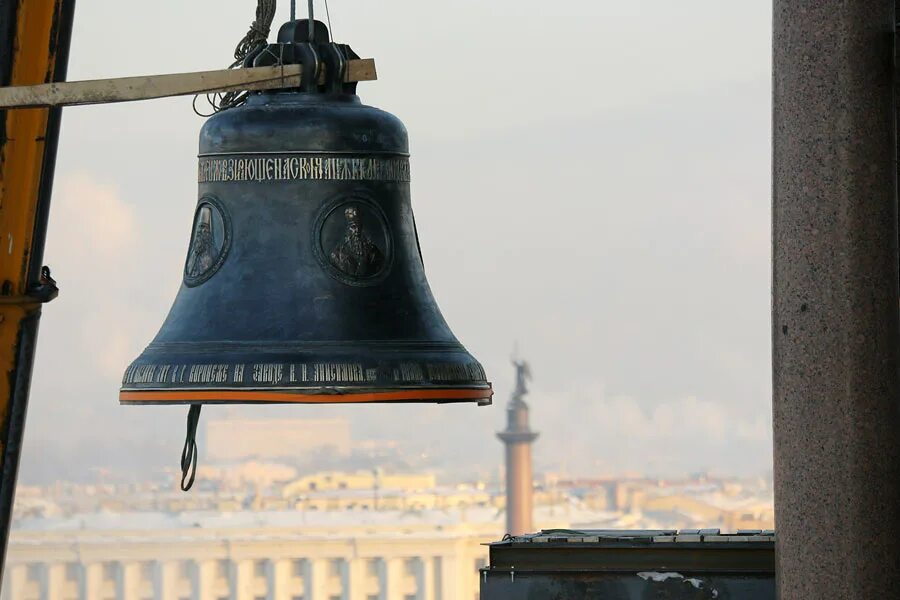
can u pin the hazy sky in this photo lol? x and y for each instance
(590, 180)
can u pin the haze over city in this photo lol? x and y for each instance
(611, 224)
(591, 189)
(499, 300)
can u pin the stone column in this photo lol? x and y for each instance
(425, 586)
(316, 579)
(55, 581)
(354, 578)
(450, 577)
(164, 586)
(91, 581)
(518, 438)
(204, 576)
(835, 301)
(14, 582)
(129, 582)
(243, 580)
(393, 568)
(279, 575)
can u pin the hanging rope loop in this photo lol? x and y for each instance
(255, 40)
(259, 31)
(189, 453)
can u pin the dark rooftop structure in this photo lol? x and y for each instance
(690, 564)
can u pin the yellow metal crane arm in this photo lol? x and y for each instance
(34, 44)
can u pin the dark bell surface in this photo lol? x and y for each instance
(303, 272)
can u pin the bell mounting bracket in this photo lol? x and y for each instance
(324, 65)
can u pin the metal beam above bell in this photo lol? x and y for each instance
(129, 89)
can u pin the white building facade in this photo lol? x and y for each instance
(269, 563)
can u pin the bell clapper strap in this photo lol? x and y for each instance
(189, 453)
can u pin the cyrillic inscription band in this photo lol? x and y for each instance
(288, 374)
(288, 167)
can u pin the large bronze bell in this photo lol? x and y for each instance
(304, 281)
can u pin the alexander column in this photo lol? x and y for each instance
(518, 438)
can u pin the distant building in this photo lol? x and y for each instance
(249, 556)
(359, 480)
(694, 564)
(247, 472)
(394, 499)
(235, 439)
(232, 553)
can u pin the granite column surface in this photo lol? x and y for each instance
(836, 414)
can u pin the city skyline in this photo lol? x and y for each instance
(682, 219)
(263, 531)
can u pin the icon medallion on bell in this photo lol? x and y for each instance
(210, 242)
(354, 243)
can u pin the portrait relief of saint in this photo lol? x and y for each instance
(203, 251)
(210, 242)
(356, 254)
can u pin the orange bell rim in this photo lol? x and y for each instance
(481, 396)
